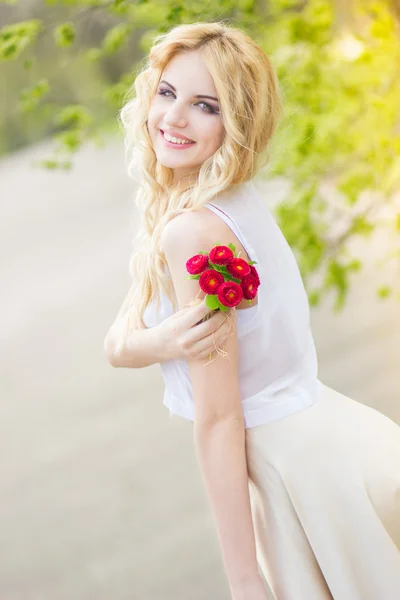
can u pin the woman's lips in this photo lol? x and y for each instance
(176, 146)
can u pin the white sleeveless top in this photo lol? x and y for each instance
(277, 358)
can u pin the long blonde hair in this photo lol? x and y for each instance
(250, 105)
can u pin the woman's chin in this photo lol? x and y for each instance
(172, 164)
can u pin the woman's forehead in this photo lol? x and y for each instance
(188, 71)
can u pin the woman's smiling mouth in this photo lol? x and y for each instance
(176, 143)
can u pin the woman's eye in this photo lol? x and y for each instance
(162, 92)
(208, 108)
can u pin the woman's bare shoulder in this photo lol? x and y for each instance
(198, 223)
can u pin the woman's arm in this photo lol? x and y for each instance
(180, 336)
(219, 432)
(142, 348)
(220, 450)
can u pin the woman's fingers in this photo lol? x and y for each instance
(208, 327)
(215, 338)
(194, 314)
(214, 347)
(200, 338)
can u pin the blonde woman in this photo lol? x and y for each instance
(304, 482)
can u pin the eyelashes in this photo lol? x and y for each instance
(211, 110)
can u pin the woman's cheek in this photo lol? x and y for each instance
(152, 116)
(153, 129)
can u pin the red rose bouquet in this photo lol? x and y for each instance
(224, 277)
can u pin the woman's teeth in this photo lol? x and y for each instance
(169, 138)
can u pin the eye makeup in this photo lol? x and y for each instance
(214, 109)
(211, 110)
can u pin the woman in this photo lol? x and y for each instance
(304, 482)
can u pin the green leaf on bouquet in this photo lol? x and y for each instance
(230, 277)
(221, 306)
(193, 276)
(202, 252)
(252, 262)
(219, 268)
(212, 301)
(233, 248)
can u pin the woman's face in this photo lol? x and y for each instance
(182, 109)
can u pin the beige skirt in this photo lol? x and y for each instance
(325, 495)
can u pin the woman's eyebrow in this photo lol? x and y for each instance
(197, 96)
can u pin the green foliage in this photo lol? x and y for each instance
(75, 116)
(70, 140)
(65, 34)
(384, 292)
(337, 277)
(116, 37)
(56, 165)
(339, 84)
(211, 301)
(341, 124)
(115, 93)
(16, 37)
(30, 97)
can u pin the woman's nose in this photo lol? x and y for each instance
(175, 116)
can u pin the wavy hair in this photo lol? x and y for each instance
(249, 99)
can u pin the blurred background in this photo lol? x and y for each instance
(101, 494)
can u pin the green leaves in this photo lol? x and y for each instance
(74, 115)
(212, 302)
(384, 292)
(16, 37)
(53, 164)
(30, 97)
(115, 94)
(70, 140)
(116, 37)
(361, 225)
(356, 180)
(219, 268)
(337, 277)
(341, 126)
(64, 35)
(77, 120)
(175, 13)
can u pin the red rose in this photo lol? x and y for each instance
(210, 281)
(230, 293)
(249, 286)
(221, 255)
(253, 272)
(238, 267)
(197, 264)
